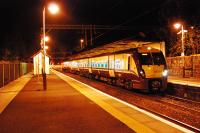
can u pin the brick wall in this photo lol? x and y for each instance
(187, 66)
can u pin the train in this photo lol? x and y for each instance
(139, 67)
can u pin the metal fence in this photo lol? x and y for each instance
(10, 71)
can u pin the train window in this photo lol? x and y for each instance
(158, 58)
(106, 65)
(146, 59)
(152, 58)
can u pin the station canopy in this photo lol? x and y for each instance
(115, 47)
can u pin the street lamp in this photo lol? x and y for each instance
(46, 47)
(53, 8)
(46, 38)
(81, 43)
(178, 26)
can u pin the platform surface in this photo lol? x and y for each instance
(184, 81)
(71, 106)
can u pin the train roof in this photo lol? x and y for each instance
(116, 47)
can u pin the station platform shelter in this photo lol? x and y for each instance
(37, 61)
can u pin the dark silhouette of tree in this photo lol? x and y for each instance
(192, 40)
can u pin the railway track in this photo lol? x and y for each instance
(175, 101)
(190, 105)
(180, 111)
(172, 101)
(192, 128)
(182, 99)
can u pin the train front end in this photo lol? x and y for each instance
(153, 69)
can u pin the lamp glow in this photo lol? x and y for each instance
(177, 25)
(53, 8)
(82, 40)
(149, 48)
(46, 38)
(46, 47)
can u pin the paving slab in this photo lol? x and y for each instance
(184, 81)
(69, 106)
(137, 119)
(59, 109)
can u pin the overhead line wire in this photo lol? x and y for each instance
(132, 19)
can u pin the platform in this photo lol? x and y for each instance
(184, 81)
(187, 88)
(71, 106)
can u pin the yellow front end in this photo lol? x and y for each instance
(155, 77)
(153, 71)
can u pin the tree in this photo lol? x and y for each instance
(192, 40)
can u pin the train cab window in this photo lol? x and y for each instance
(158, 58)
(152, 58)
(145, 59)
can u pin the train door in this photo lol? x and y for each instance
(128, 62)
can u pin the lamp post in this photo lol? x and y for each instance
(178, 26)
(53, 8)
(44, 54)
(81, 43)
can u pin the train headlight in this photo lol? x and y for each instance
(142, 73)
(165, 73)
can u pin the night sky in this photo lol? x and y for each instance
(21, 22)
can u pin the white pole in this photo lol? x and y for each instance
(44, 40)
(44, 53)
(182, 41)
(183, 50)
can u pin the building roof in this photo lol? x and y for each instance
(40, 51)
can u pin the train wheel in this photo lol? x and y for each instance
(153, 90)
(128, 85)
(113, 82)
(154, 86)
(97, 77)
(90, 76)
(109, 81)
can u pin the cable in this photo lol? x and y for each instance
(132, 19)
(116, 4)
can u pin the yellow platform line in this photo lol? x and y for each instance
(9, 91)
(131, 123)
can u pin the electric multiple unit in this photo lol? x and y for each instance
(141, 68)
